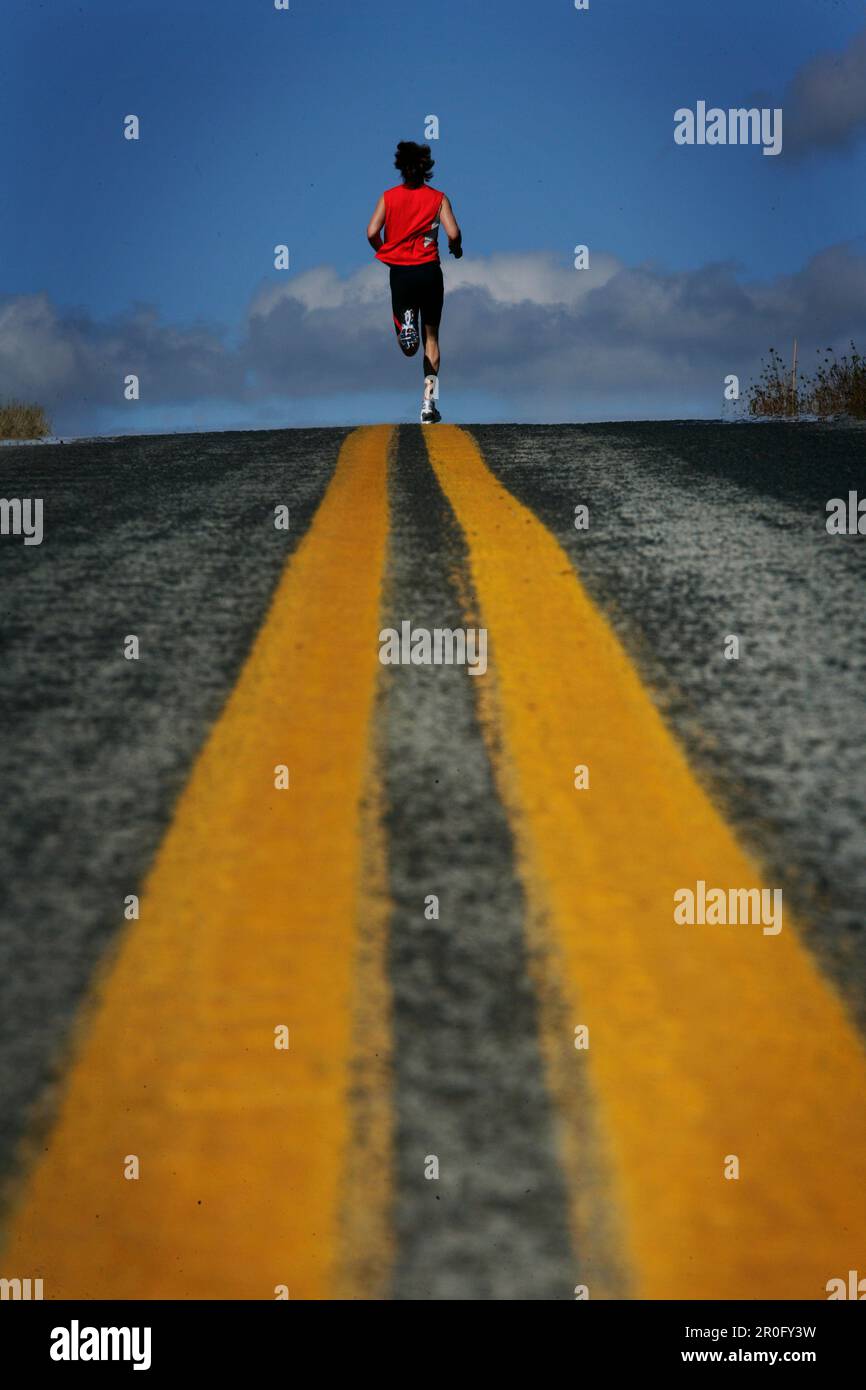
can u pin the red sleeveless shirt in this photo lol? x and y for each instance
(411, 225)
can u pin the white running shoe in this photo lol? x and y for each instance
(429, 414)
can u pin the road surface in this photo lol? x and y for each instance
(420, 1024)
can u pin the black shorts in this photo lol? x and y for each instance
(419, 289)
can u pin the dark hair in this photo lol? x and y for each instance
(414, 162)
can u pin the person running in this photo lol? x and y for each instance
(411, 214)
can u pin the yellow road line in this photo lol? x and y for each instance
(705, 1041)
(366, 1252)
(248, 922)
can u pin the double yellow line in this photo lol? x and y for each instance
(263, 1168)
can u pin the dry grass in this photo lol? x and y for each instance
(18, 420)
(839, 385)
(836, 387)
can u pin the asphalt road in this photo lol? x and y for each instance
(696, 531)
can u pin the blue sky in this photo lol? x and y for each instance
(259, 126)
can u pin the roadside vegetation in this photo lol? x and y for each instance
(20, 420)
(837, 386)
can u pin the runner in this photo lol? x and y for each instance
(411, 214)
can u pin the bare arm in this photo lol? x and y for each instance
(452, 231)
(376, 223)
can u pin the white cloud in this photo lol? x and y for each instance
(535, 278)
(322, 288)
(549, 341)
(35, 350)
(531, 279)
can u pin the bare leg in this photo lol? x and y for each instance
(431, 350)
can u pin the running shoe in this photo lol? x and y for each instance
(408, 335)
